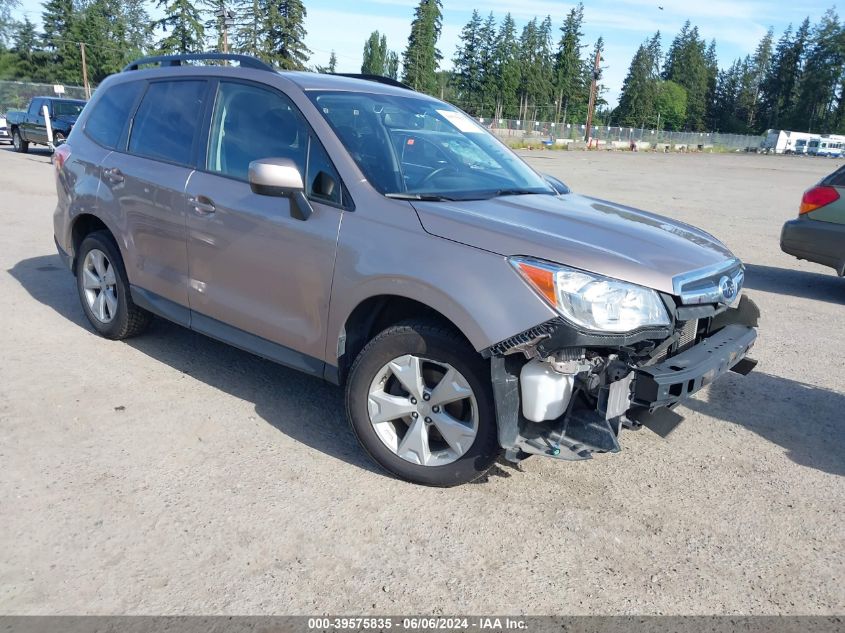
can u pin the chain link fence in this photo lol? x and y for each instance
(15, 95)
(562, 134)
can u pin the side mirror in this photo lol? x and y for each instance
(280, 177)
(558, 185)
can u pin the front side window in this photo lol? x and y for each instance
(250, 123)
(167, 120)
(67, 108)
(416, 147)
(106, 122)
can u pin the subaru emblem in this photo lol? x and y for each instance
(728, 289)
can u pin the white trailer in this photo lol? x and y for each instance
(786, 142)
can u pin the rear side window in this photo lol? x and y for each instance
(167, 120)
(836, 179)
(35, 107)
(108, 118)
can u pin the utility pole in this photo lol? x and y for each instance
(85, 71)
(227, 18)
(592, 103)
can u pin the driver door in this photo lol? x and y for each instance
(259, 277)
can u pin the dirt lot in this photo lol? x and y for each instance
(172, 474)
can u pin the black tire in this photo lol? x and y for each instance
(128, 319)
(21, 146)
(439, 344)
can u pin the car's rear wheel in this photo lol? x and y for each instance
(104, 289)
(420, 402)
(21, 145)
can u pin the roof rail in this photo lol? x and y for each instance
(377, 78)
(246, 61)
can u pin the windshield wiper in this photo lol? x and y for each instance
(516, 192)
(426, 197)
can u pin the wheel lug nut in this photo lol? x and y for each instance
(415, 415)
(413, 400)
(435, 408)
(426, 396)
(428, 420)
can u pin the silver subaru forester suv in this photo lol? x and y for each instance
(383, 240)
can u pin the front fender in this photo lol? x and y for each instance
(478, 291)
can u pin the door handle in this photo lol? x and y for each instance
(113, 174)
(202, 205)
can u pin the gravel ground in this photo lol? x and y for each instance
(172, 475)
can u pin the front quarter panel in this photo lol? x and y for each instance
(383, 250)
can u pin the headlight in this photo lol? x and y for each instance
(592, 301)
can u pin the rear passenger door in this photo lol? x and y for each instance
(145, 185)
(253, 266)
(34, 117)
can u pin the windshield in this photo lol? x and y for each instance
(67, 108)
(418, 148)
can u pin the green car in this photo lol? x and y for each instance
(818, 233)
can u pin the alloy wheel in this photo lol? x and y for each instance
(99, 285)
(424, 411)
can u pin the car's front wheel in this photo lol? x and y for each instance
(420, 402)
(104, 289)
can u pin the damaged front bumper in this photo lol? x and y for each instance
(627, 382)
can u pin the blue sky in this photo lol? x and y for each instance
(737, 25)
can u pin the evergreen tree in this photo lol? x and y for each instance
(780, 86)
(58, 19)
(686, 65)
(467, 65)
(637, 101)
(758, 68)
(821, 77)
(182, 24)
(422, 57)
(507, 69)
(568, 66)
(7, 24)
(375, 55)
(487, 66)
(391, 66)
(712, 63)
(249, 25)
(29, 58)
(283, 34)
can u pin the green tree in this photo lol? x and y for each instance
(507, 69)
(487, 66)
(671, 105)
(686, 65)
(249, 25)
(780, 86)
(637, 100)
(821, 78)
(283, 34)
(7, 24)
(375, 55)
(183, 27)
(467, 65)
(391, 66)
(59, 20)
(638, 103)
(329, 69)
(30, 59)
(422, 57)
(568, 80)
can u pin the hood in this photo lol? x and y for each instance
(587, 233)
